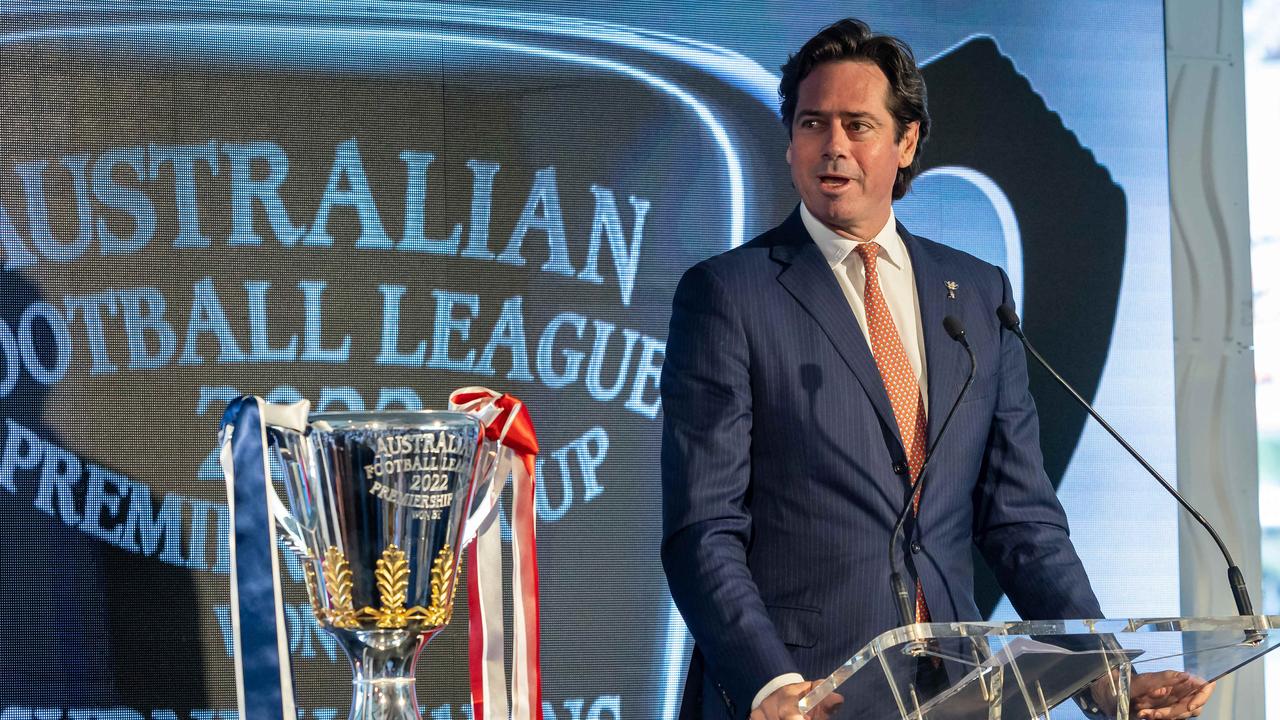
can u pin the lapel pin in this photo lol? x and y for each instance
(951, 289)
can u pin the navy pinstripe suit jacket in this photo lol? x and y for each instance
(782, 467)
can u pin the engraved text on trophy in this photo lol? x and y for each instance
(430, 459)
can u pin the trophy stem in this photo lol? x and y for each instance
(383, 665)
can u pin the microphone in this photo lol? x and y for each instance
(906, 613)
(955, 329)
(1009, 319)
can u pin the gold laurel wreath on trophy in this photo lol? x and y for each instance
(392, 575)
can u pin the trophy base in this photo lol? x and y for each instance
(383, 663)
(386, 699)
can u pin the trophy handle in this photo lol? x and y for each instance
(287, 420)
(285, 520)
(488, 482)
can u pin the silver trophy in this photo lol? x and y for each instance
(378, 504)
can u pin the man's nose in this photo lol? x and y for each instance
(837, 142)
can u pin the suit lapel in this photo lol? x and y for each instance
(809, 279)
(946, 365)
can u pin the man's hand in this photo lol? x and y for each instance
(783, 704)
(1167, 695)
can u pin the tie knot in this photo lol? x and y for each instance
(869, 251)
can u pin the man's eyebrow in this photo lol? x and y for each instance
(858, 115)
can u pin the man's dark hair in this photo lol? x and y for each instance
(851, 39)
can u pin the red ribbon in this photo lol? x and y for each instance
(506, 422)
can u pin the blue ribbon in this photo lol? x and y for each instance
(264, 686)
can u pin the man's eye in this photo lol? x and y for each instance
(810, 123)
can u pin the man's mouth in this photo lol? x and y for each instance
(833, 182)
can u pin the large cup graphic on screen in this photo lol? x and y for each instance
(371, 205)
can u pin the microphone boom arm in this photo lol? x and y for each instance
(1239, 590)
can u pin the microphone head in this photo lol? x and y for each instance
(1008, 318)
(954, 327)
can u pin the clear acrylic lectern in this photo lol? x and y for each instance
(1022, 670)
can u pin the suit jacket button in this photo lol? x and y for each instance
(915, 548)
(899, 469)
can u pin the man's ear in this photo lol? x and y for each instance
(907, 145)
(788, 153)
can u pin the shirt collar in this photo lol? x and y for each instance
(836, 248)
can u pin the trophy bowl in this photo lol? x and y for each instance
(378, 503)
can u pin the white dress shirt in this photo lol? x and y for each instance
(898, 284)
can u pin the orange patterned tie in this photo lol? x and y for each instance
(899, 381)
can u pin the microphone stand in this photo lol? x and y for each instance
(1239, 590)
(903, 599)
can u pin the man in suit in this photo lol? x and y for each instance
(806, 373)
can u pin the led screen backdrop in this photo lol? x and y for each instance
(369, 205)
